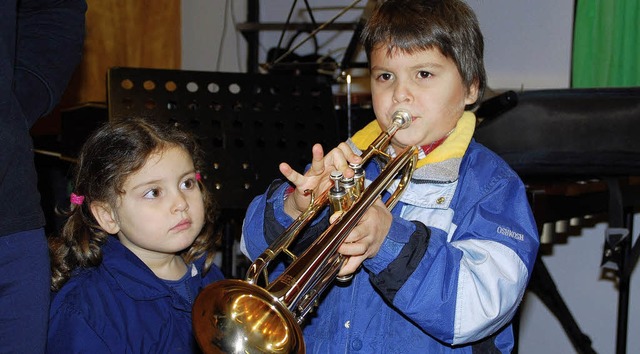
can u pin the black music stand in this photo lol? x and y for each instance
(246, 123)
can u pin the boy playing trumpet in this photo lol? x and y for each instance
(445, 269)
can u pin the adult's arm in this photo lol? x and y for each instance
(48, 48)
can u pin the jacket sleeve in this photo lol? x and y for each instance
(69, 332)
(472, 277)
(48, 49)
(254, 240)
(266, 220)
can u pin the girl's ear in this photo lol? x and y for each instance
(105, 216)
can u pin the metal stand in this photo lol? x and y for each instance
(544, 287)
(620, 256)
(246, 124)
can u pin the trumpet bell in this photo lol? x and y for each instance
(234, 316)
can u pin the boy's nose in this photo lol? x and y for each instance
(401, 94)
(399, 98)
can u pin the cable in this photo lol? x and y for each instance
(224, 33)
(238, 39)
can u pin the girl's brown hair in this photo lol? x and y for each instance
(107, 159)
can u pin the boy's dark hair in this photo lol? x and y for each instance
(414, 25)
(109, 156)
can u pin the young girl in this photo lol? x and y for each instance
(137, 246)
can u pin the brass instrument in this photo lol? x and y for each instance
(239, 316)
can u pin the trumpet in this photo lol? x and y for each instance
(240, 316)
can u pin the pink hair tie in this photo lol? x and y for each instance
(198, 176)
(76, 199)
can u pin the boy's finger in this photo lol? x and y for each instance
(290, 174)
(317, 161)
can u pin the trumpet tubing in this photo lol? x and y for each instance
(239, 316)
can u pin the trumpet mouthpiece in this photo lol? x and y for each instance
(401, 118)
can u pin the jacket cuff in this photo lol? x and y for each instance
(390, 279)
(399, 234)
(276, 200)
(277, 220)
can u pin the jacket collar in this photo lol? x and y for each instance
(453, 147)
(134, 277)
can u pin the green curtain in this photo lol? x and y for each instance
(606, 44)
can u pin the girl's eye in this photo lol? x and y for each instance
(188, 184)
(152, 193)
(424, 74)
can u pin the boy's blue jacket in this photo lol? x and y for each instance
(452, 270)
(121, 306)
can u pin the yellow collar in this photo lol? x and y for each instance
(453, 147)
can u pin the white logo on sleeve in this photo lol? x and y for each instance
(509, 233)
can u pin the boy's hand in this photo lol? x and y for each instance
(366, 238)
(317, 177)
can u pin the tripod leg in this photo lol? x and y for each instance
(545, 288)
(624, 283)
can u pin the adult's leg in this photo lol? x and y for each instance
(25, 278)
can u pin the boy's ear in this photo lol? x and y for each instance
(105, 216)
(472, 95)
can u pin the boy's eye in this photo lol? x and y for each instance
(424, 74)
(152, 193)
(384, 77)
(188, 184)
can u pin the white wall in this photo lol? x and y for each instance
(210, 41)
(527, 43)
(527, 46)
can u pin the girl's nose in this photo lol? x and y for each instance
(180, 203)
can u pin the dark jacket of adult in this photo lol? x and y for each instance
(34, 72)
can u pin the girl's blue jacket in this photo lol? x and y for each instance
(121, 306)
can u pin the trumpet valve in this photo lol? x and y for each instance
(349, 186)
(338, 200)
(336, 177)
(344, 278)
(358, 178)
